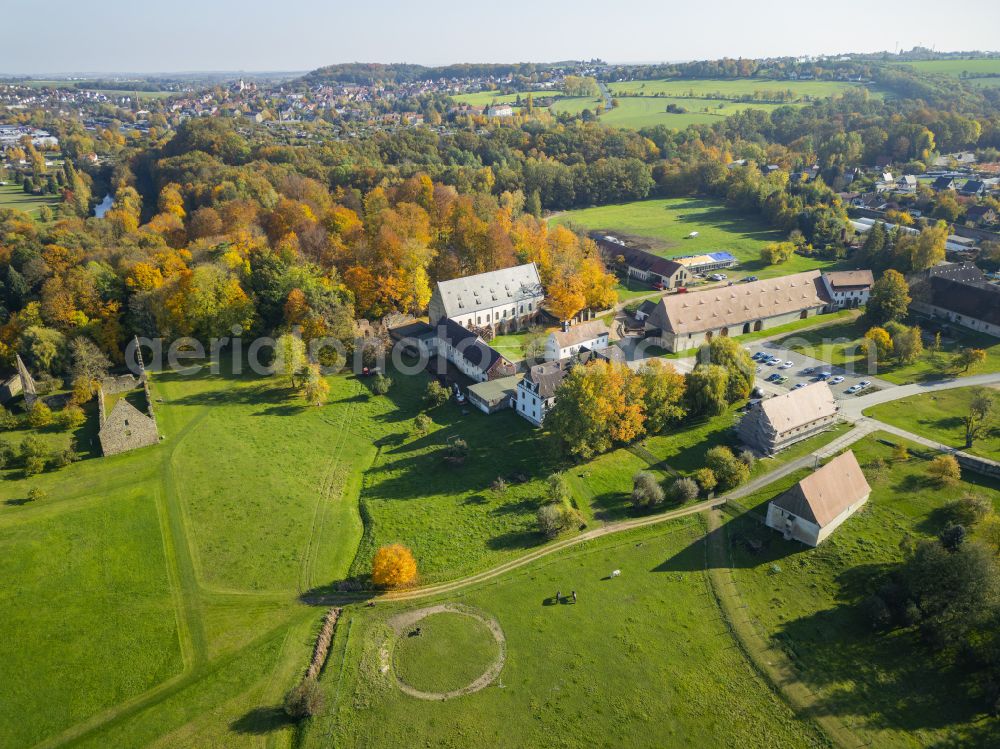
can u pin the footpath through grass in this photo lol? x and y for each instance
(643, 659)
(805, 602)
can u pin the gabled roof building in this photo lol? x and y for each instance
(816, 506)
(506, 298)
(775, 423)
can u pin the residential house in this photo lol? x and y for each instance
(907, 183)
(684, 321)
(943, 183)
(980, 215)
(536, 392)
(974, 187)
(506, 299)
(572, 339)
(816, 506)
(469, 353)
(500, 110)
(712, 261)
(644, 310)
(958, 293)
(775, 423)
(848, 288)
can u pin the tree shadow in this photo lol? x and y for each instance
(261, 721)
(513, 540)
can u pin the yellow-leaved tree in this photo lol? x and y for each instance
(393, 566)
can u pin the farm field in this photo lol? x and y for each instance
(12, 196)
(885, 689)
(663, 226)
(938, 416)
(988, 68)
(641, 112)
(702, 88)
(840, 345)
(644, 659)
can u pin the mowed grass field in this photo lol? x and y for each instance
(663, 227)
(989, 68)
(731, 88)
(13, 196)
(644, 659)
(885, 689)
(938, 416)
(641, 112)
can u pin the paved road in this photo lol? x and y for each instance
(851, 409)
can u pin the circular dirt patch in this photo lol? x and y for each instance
(445, 651)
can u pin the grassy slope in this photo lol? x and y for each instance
(955, 69)
(641, 112)
(731, 88)
(884, 688)
(641, 660)
(664, 225)
(428, 662)
(938, 416)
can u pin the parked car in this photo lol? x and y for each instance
(864, 384)
(750, 278)
(799, 385)
(759, 356)
(853, 389)
(836, 380)
(808, 370)
(773, 377)
(781, 379)
(824, 375)
(788, 365)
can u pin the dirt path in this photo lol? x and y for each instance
(402, 622)
(768, 659)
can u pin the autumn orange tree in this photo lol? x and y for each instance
(393, 566)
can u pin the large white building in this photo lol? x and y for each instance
(562, 344)
(536, 392)
(816, 506)
(505, 299)
(849, 288)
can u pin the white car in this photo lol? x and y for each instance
(836, 380)
(717, 277)
(853, 389)
(864, 384)
(787, 365)
(799, 385)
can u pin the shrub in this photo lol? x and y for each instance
(8, 420)
(646, 490)
(944, 470)
(706, 479)
(35, 493)
(968, 510)
(747, 458)
(900, 454)
(556, 517)
(728, 469)
(557, 490)
(65, 457)
(381, 384)
(303, 700)
(393, 566)
(6, 454)
(34, 465)
(499, 485)
(436, 394)
(33, 446)
(70, 417)
(421, 423)
(684, 490)
(39, 416)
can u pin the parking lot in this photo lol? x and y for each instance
(805, 369)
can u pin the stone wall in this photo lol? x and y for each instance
(126, 427)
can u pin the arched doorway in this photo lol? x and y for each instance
(724, 332)
(746, 328)
(759, 325)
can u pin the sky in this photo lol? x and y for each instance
(263, 35)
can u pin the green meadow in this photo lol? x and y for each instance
(640, 112)
(12, 196)
(731, 88)
(883, 690)
(663, 226)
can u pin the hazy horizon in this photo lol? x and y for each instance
(196, 37)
